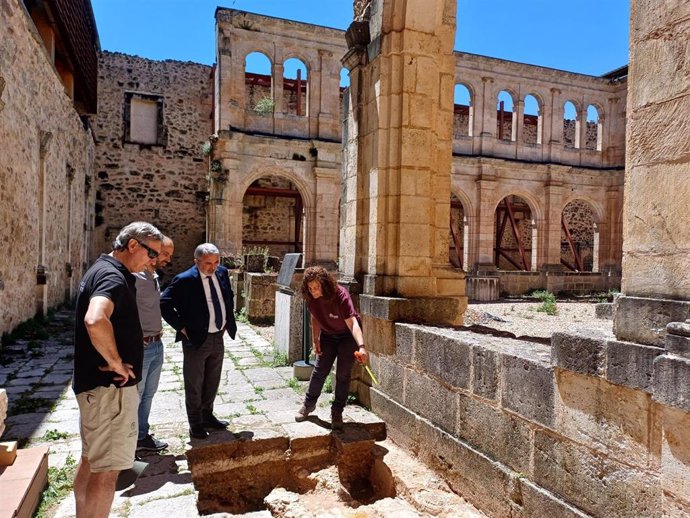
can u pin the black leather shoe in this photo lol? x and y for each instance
(197, 432)
(215, 423)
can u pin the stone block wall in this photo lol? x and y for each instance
(527, 430)
(259, 295)
(165, 184)
(46, 174)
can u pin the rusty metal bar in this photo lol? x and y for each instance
(270, 191)
(509, 259)
(456, 241)
(569, 237)
(499, 236)
(568, 265)
(516, 233)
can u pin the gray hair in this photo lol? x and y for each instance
(139, 230)
(205, 249)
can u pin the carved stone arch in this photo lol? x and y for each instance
(300, 57)
(302, 185)
(259, 49)
(516, 244)
(580, 246)
(460, 230)
(596, 207)
(470, 88)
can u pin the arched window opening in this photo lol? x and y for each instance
(531, 121)
(571, 126)
(462, 112)
(295, 87)
(579, 237)
(513, 226)
(258, 80)
(593, 130)
(272, 216)
(505, 117)
(457, 250)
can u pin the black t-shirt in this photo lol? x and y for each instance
(109, 278)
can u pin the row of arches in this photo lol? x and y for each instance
(532, 119)
(274, 210)
(258, 73)
(515, 235)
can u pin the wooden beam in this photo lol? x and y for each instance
(499, 236)
(510, 259)
(456, 241)
(516, 233)
(569, 237)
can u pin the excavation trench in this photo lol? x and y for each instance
(238, 475)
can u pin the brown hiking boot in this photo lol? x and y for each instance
(303, 413)
(336, 420)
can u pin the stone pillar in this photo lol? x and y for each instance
(551, 258)
(656, 212)
(404, 155)
(485, 228)
(651, 317)
(277, 88)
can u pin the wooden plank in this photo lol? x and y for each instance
(516, 233)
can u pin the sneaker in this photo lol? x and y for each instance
(303, 412)
(148, 443)
(336, 420)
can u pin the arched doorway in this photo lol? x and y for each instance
(579, 237)
(514, 234)
(272, 216)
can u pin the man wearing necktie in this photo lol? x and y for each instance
(198, 304)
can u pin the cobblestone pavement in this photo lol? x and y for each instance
(256, 396)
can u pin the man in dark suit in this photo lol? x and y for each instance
(198, 304)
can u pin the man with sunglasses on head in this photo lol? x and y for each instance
(149, 306)
(108, 356)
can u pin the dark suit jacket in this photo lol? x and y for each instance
(183, 305)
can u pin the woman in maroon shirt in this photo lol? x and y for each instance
(335, 333)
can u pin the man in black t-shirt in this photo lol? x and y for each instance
(108, 352)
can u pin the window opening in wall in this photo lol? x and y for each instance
(593, 131)
(258, 81)
(344, 85)
(144, 119)
(513, 228)
(458, 222)
(531, 121)
(462, 112)
(571, 126)
(505, 117)
(295, 87)
(272, 216)
(579, 238)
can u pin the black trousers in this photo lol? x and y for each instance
(201, 370)
(341, 347)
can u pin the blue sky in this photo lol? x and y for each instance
(586, 36)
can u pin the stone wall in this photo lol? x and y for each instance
(164, 184)
(46, 165)
(527, 430)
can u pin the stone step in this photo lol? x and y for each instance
(21, 483)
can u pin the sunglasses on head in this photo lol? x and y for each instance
(150, 251)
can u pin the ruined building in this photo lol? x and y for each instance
(537, 157)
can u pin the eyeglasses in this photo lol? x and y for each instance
(150, 251)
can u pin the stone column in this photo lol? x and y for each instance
(656, 258)
(551, 258)
(404, 155)
(277, 88)
(485, 228)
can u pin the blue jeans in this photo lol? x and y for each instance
(150, 375)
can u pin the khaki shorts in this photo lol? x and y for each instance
(108, 426)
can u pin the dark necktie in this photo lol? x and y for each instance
(216, 305)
